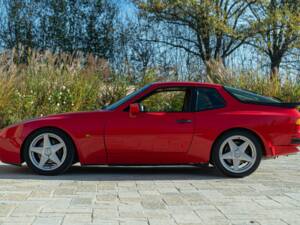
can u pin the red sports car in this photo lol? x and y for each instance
(161, 124)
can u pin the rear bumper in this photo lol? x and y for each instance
(285, 150)
(296, 141)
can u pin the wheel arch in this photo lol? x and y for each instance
(76, 159)
(259, 138)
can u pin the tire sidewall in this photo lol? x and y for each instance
(69, 157)
(217, 160)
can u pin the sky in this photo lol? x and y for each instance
(128, 12)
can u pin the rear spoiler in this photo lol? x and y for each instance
(290, 105)
(277, 104)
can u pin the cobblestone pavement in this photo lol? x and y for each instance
(152, 196)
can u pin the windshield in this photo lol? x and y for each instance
(248, 96)
(126, 98)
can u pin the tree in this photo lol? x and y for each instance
(60, 26)
(100, 18)
(209, 29)
(17, 29)
(57, 22)
(277, 24)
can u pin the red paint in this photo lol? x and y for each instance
(118, 137)
(148, 138)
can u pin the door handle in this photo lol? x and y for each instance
(184, 121)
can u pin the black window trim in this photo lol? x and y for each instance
(213, 108)
(275, 104)
(192, 103)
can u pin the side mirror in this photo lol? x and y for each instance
(134, 109)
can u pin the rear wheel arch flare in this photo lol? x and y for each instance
(52, 128)
(242, 130)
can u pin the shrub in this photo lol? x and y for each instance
(52, 84)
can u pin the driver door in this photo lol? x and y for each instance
(160, 134)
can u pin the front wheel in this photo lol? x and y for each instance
(237, 154)
(48, 152)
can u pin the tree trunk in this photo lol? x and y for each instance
(274, 70)
(214, 70)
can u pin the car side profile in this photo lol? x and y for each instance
(166, 123)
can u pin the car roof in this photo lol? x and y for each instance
(185, 83)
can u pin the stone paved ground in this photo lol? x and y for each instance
(152, 196)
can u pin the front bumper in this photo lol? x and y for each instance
(9, 146)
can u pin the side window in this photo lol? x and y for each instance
(167, 100)
(209, 98)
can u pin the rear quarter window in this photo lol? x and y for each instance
(209, 98)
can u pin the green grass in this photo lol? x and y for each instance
(52, 84)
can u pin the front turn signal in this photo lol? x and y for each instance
(298, 122)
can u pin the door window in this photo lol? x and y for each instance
(167, 100)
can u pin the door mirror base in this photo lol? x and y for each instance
(134, 109)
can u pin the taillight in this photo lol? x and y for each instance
(298, 125)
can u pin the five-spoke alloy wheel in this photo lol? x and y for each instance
(49, 152)
(237, 153)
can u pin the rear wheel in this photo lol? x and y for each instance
(49, 152)
(237, 154)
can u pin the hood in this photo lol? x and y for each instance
(70, 115)
(54, 120)
(61, 116)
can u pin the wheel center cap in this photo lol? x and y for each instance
(237, 154)
(48, 151)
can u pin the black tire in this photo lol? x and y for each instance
(217, 148)
(68, 159)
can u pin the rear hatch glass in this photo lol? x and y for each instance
(254, 98)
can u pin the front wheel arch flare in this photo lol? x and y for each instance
(76, 158)
(241, 130)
